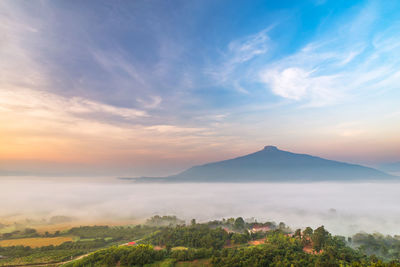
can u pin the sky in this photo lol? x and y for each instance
(153, 87)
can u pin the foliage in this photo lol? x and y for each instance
(319, 238)
(239, 223)
(89, 238)
(27, 233)
(284, 250)
(116, 233)
(164, 221)
(280, 250)
(386, 247)
(194, 236)
(124, 255)
(208, 244)
(191, 254)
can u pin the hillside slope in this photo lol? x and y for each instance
(273, 164)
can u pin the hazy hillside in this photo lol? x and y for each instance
(272, 164)
(393, 167)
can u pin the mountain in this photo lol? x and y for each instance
(273, 165)
(393, 167)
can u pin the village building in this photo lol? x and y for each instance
(260, 228)
(226, 229)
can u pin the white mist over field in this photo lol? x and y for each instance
(343, 208)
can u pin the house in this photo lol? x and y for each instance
(226, 229)
(260, 228)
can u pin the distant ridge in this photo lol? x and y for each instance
(390, 167)
(273, 165)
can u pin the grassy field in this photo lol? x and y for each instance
(164, 263)
(195, 263)
(45, 258)
(179, 248)
(36, 241)
(172, 263)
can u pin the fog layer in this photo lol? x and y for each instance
(344, 208)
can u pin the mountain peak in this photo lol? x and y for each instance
(271, 148)
(273, 165)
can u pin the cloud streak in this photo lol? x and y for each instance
(37, 103)
(332, 70)
(298, 84)
(239, 52)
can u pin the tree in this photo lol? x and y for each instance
(239, 223)
(240, 238)
(308, 232)
(30, 231)
(297, 233)
(319, 238)
(230, 221)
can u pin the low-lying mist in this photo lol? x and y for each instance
(343, 208)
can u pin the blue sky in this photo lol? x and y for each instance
(130, 85)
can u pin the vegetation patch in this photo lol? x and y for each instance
(195, 263)
(226, 243)
(36, 241)
(179, 248)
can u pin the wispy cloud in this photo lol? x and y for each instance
(350, 129)
(239, 52)
(332, 68)
(298, 84)
(242, 50)
(152, 102)
(17, 66)
(355, 60)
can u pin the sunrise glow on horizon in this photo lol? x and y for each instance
(154, 87)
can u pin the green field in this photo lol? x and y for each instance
(173, 263)
(36, 242)
(223, 243)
